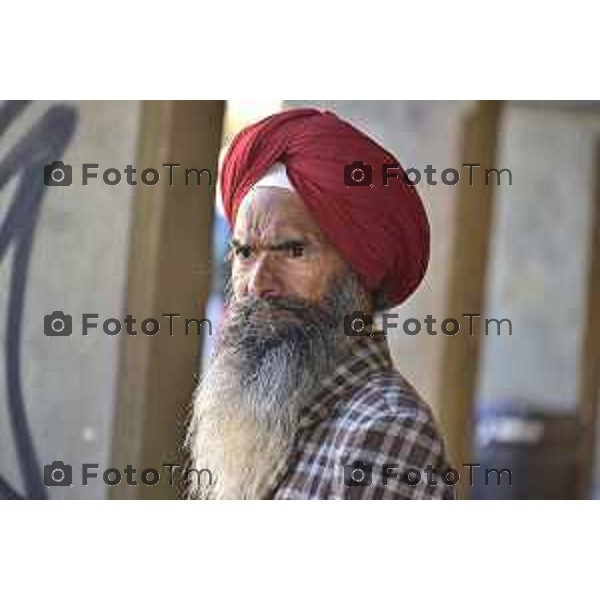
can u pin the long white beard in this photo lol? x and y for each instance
(265, 370)
(244, 433)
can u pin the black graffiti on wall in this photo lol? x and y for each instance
(43, 143)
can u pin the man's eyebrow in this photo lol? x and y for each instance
(235, 243)
(284, 244)
(288, 244)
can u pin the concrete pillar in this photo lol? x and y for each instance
(169, 272)
(470, 227)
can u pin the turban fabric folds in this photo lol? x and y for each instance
(380, 230)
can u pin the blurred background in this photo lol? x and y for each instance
(528, 251)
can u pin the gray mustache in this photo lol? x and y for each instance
(298, 308)
(295, 320)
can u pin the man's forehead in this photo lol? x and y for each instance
(272, 211)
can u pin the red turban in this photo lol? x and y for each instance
(381, 231)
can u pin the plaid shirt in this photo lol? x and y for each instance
(367, 428)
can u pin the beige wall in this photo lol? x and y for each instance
(78, 264)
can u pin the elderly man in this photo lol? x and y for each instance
(298, 402)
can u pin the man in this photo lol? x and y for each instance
(301, 400)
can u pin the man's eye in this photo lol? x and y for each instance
(243, 251)
(296, 250)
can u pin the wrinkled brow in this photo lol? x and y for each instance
(285, 243)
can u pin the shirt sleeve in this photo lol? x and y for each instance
(394, 455)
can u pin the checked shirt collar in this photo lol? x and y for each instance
(367, 355)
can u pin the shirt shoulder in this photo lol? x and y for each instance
(385, 394)
(387, 427)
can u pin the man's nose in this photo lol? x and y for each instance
(264, 281)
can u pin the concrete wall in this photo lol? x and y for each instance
(539, 261)
(538, 272)
(78, 264)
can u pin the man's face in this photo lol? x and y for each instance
(279, 250)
